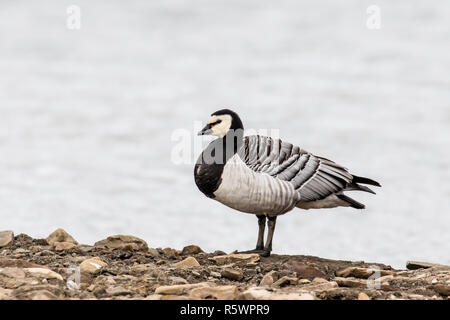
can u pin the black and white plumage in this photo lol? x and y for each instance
(268, 177)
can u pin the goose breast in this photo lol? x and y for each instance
(254, 192)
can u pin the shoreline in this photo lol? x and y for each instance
(126, 267)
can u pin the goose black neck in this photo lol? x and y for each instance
(209, 167)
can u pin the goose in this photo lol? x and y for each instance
(269, 177)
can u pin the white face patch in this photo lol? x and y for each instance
(220, 125)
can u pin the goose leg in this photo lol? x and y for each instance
(260, 243)
(268, 248)
(261, 228)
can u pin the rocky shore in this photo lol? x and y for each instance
(125, 267)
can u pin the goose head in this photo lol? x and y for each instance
(221, 123)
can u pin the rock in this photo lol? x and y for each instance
(170, 252)
(123, 242)
(414, 265)
(178, 280)
(12, 278)
(286, 281)
(319, 280)
(92, 265)
(6, 238)
(85, 248)
(152, 252)
(258, 293)
(189, 262)
(351, 282)
(44, 253)
(319, 287)
(363, 273)
(5, 294)
(18, 263)
(215, 274)
(142, 268)
(43, 273)
(304, 281)
(363, 296)
(268, 279)
(219, 253)
(236, 258)
(60, 235)
(305, 271)
(61, 246)
(117, 291)
(192, 249)
(179, 289)
(442, 289)
(232, 274)
(42, 295)
(339, 294)
(219, 293)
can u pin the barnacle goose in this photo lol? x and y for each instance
(268, 177)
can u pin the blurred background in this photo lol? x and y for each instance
(87, 118)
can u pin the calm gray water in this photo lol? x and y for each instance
(87, 118)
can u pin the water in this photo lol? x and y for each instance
(87, 117)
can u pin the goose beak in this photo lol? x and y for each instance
(205, 131)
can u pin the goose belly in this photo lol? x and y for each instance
(253, 192)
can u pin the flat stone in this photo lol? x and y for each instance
(60, 235)
(232, 274)
(92, 265)
(6, 238)
(259, 293)
(285, 281)
(61, 246)
(43, 273)
(363, 273)
(189, 262)
(219, 293)
(305, 271)
(179, 289)
(191, 249)
(123, 242)
(236, 257)
(178, 280)
(117, 291)
(319, 287)
(351, 282)
(414, 265)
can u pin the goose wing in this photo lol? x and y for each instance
(315, 178)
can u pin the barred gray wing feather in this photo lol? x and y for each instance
(315, 178)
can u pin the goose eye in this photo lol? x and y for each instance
(215, 122)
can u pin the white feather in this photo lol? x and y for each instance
(246, 190)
